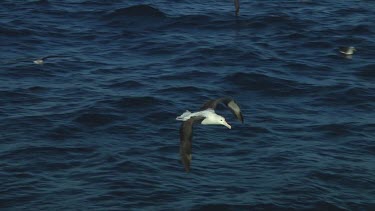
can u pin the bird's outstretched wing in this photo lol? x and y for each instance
(343, 49)
(186, 137)
(237, 6)
(48, 57)
(229, 102)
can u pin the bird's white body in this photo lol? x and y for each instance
(210, 117)
(39, 61)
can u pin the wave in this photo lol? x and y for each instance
(19, 97)
(182, 90)
(95, 119)
(42, 2)
(62, 132)
(222, 23)
(335, 129)
(277, 19)
(239, 207)
(266, 84)
(15, 32)
(187, 21)
(187, 75)
(160, 117)
(125, 84)
(47, 150)
(136, 11)
(367, 72)
(135, 18)
(346, 96)
(316, 206)
(139, 102)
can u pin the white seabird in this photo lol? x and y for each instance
(347, 50)
(43, 59)
(206, 116)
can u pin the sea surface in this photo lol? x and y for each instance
(95, 128)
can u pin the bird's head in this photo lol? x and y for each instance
(223, 122)
(352, 48)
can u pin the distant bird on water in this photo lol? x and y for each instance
(43, 59)
(347, 50)
(237, 6)
(206, 116)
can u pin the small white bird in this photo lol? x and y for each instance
(43, 59)
(347, 50)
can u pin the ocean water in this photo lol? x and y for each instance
(95, 129)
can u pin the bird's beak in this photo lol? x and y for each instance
(227, 125)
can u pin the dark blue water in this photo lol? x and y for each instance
(96, 130)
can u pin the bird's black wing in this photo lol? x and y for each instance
(53, 56)
(343, 49)
(237, 6)
(186, 137)
(229, 102)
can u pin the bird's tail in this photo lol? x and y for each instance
(185, 116)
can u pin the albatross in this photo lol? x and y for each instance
(205, 116)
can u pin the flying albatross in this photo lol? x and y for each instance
(206, 116)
